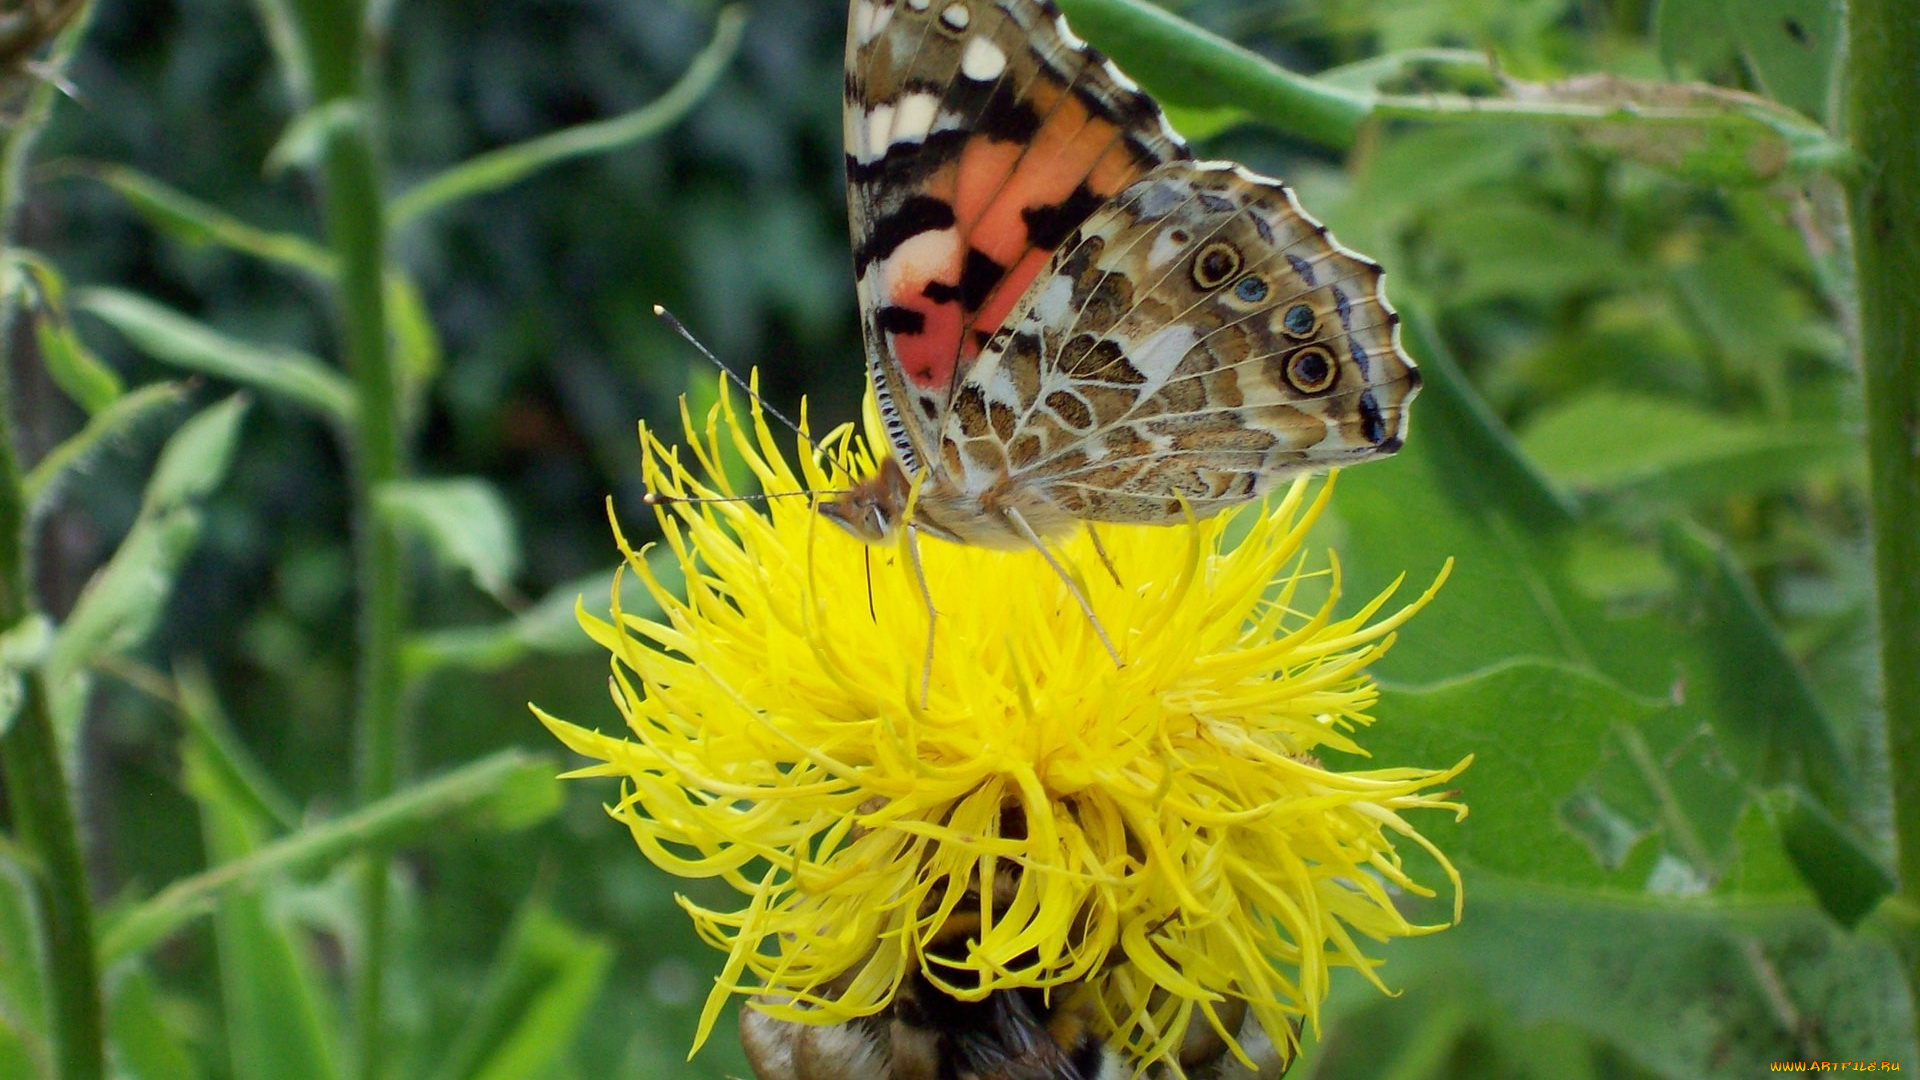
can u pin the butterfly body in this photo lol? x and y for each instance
(1067, 318)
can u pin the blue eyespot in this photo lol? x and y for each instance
(1252, 289)
(1300, 320)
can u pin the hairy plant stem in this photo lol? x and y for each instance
(336, 51)
(38, 800)
(1883, 111)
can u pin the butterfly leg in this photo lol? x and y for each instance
(933, 614)
(1020, 525)
(1106, 560)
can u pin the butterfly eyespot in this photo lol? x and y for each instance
(1299, 321)
(1180, 236)
(1216, 264)
(1311, 370)
(1252, 289)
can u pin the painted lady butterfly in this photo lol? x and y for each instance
(1070, 320)
(1067, 318)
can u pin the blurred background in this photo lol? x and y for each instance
(1664, 357)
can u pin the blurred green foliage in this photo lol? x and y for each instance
(1641, 445)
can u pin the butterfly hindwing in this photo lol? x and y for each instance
(1197, 341)
(979, 135)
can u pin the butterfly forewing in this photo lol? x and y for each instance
(979, 135)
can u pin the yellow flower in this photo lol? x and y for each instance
(1162, 830)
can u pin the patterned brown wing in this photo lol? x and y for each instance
(1193, 344)
(979, 134)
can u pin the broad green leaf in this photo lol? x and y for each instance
(506, 791)
(117, 421)
(465, 521)
(543, 981)
(1766, 715)
(1694, 32)
(1649, 448)
(509, 165)
(144, 1041)
(1849, 881)
(1517, 251)
(271, 989)
(195, 460)
(1185, 65)
(1536, 732)
(72, 366)
(24, 1049)
(1791, 47)
(176, 339)
(190, 221)
(1688, 990)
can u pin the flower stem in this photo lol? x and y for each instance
(1884, 114)
(38, 800)
(337, 59)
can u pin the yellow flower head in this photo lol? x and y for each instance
(1160, 832)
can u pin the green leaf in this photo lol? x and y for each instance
(465, 521)
(23, 647)
(508, 790)
(143, 1040)
(1791, 47)
(24, 1047)
(1687, 990)
(176, 339)
(511, 164)
(1517, 251)
(1694, 32)
(1647, 448)
(1765, 713)
(543, 981)
(550, 627)
(274, 998)
(78, 373)
(305, 140)
(119, 607)
(243, 781)
(416, 343)
(1845, 876)
(117, 421)
(190, 221)
(1536, 732)
(195, 460)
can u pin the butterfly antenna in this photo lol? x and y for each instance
(681, 329)
(655, 498)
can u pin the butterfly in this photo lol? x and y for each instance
(1068, 319)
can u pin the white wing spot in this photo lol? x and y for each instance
(956, 16)
(1120, 78)
(1158, 354)
(983, 60)
(879, 128)
(919, 5)
(1071, 39)
(869, 18)
(913, 118)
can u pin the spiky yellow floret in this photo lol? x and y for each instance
(1161, 830)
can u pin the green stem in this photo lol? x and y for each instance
(1883, 117)
(336, 53)
(1885, 111)
(35, 778)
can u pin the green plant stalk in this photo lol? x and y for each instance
(36, 780)
(1883, 110)
(337, 59)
